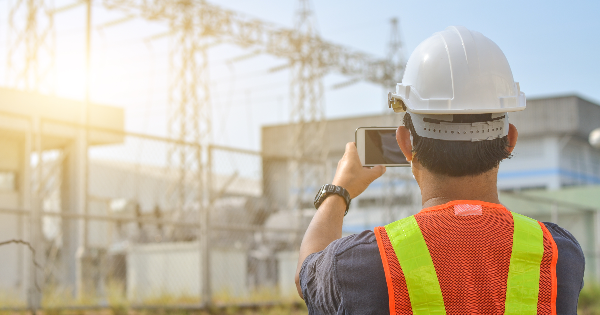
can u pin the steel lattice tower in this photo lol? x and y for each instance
(189, 110)
(30, 63)
(395, 52)
(30, 58)
(308, 110)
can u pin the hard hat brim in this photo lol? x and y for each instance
(408, 97)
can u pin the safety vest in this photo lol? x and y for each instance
(468, 257)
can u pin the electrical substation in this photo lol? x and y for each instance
(96, 213)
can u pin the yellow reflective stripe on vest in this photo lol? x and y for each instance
(522, 287)
(413, 255)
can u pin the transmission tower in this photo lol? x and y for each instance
(308, 110)
(395, 52)
(30, 62)
(30, 58)
(189, 110)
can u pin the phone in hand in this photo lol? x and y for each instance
(378, 146)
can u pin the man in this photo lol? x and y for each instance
(464, 253)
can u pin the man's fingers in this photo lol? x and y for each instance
(351, 148)
(380, 169)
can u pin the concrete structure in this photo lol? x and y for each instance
(31, 123)
(553, 149)
(172, 270)
(287, 263)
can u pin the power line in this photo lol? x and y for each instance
(245, 31)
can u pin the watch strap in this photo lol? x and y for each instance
(328, 190)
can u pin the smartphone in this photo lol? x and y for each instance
(378, 146)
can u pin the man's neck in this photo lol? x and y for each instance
(437, 190)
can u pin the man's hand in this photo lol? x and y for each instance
(351, 175)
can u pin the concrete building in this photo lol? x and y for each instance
(31, 123)
(553, 149)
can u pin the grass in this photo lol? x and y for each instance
(117, 304)
(57, 300)
(589, 299)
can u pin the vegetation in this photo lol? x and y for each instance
(58, 301)
(589, 304)
(589, 299)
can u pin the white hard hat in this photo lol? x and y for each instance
(457, 71)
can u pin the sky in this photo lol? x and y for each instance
(552, 47)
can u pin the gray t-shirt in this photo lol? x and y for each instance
(347, 277)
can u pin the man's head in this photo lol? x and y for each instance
(455, 158)
(457, 91)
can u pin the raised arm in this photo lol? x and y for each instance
(326, 225)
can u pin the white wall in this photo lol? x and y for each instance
(286, 271)
(173, 270)
(535, 164)
(13, 266)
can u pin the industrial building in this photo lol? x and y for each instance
(32, 125)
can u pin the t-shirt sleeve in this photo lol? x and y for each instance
(569, 269)
(345, 278)
(317, 280)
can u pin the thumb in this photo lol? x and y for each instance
(376, 171)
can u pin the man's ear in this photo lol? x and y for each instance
(403, 139)
(513, 134)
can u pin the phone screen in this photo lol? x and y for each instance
(381, 147)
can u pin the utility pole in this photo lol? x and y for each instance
(307, 112)
(82, 160)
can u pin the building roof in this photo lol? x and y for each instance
(567, 114)
(60, 118)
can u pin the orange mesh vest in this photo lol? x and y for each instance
(468, 257)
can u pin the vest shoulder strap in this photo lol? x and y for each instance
(522, 286)
(413, 255)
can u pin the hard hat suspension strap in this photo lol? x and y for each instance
(441, 127)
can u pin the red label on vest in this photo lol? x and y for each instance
(465, 209)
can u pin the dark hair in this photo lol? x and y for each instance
(458, 158)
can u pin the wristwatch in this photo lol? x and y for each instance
(327, 190)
